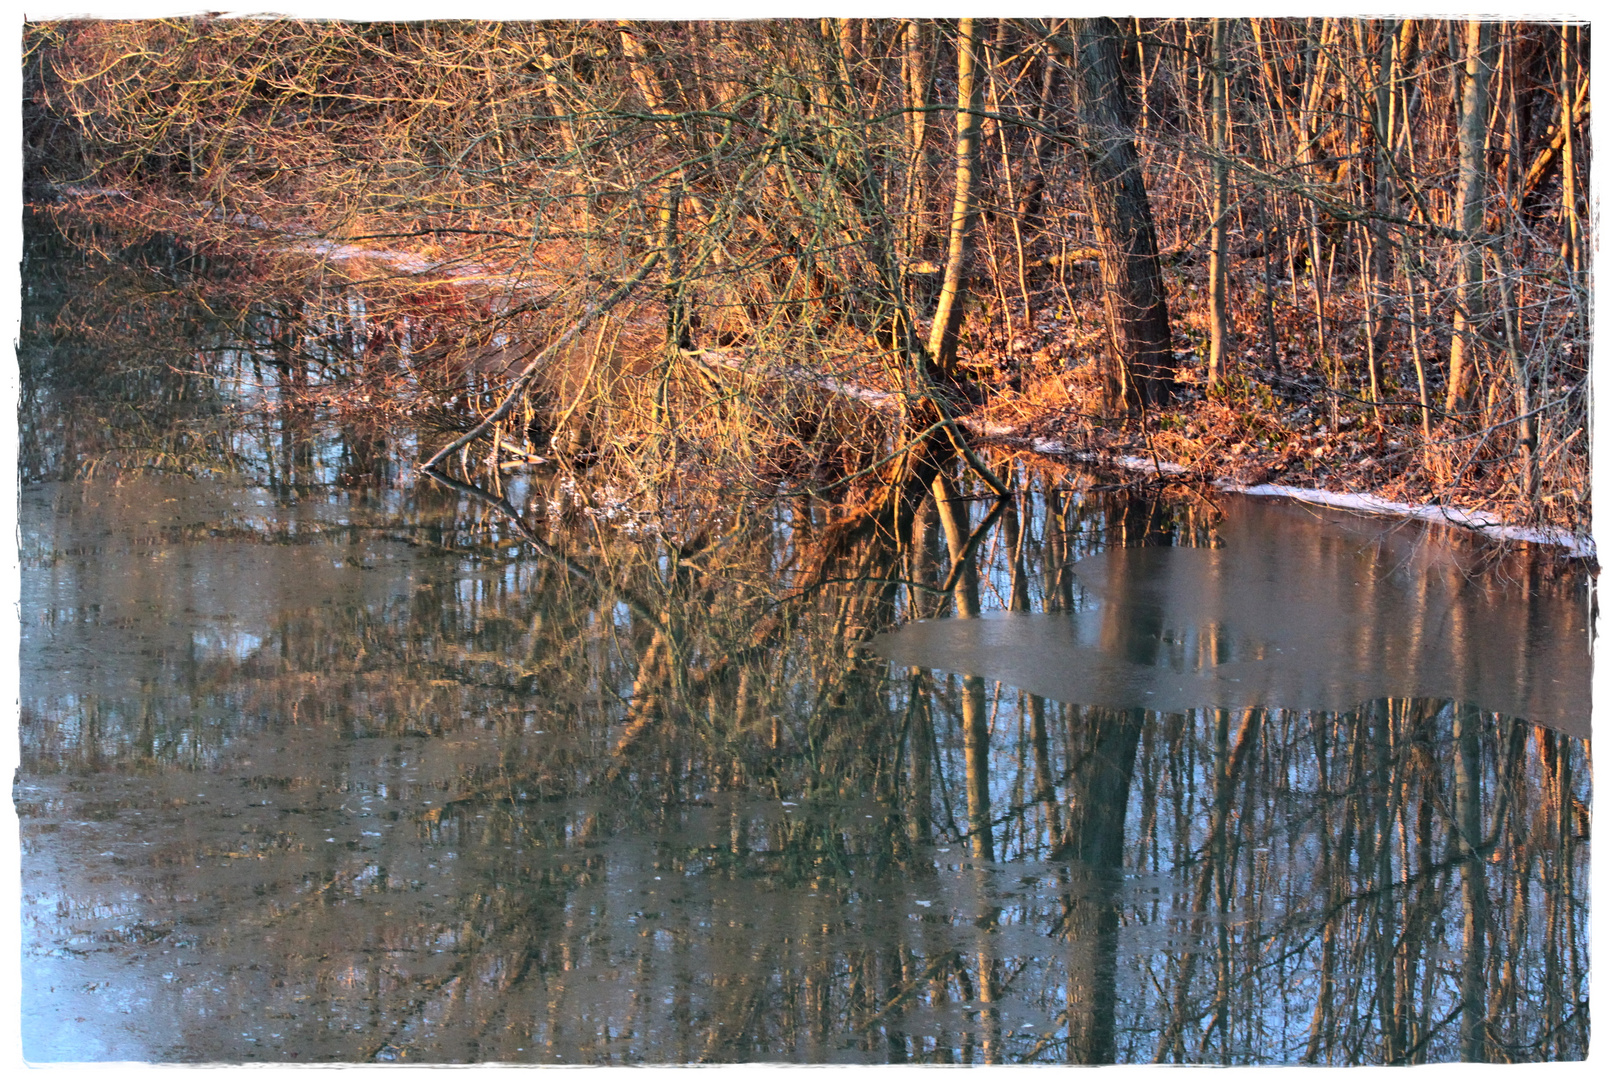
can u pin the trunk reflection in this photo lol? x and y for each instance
(322, 764)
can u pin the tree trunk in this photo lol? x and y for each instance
(1471, 194)
(1379, 313)
(964, 210)
(567, 136)
(1218, 315)
(1132, 279)
(677, 334)
(1571, 225)
(915, 82)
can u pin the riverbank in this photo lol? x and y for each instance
(1285, 472)
(1250, 447)
(1288, 434)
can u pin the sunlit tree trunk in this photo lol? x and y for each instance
(1572, 226)
(1218, 312)
(670, 195)
(964, 209)
(567, 136)
(1520, 377)
(915, 88)
(1378, 302)
(1471, 197)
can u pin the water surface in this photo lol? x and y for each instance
(1294, 608)
(322, 762)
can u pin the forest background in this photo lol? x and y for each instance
(877, 259)
(1324, 252)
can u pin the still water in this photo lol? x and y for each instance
(323, 762)
(1290, 609)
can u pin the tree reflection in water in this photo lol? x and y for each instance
(415, 773)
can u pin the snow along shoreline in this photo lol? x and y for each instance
(1480, 521)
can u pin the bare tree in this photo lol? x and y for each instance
(1116, 192)
(1471, 197)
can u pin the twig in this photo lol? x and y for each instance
(518, 387)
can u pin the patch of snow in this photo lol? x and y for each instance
(1479, 520)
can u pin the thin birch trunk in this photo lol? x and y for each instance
(1471, 195)
(1572, 227)
(915, 83)
(1219, 316)
(964, 210)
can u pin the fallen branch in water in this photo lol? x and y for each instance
(880, 401)
(518, 387)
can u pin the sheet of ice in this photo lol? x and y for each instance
(1300, 608)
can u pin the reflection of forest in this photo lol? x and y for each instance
(1127, 885)
(646, 798)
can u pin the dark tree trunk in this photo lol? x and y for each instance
(1138, 314)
